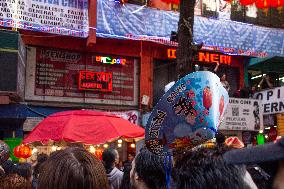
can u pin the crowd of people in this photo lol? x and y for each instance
(217, 167)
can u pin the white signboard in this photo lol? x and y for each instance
(64, 17)
(243, 114)
(272, 100)
(132, 116)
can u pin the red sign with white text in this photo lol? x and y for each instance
(95, 81)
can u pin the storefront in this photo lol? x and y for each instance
(232, 66)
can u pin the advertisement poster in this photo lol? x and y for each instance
(272, 100)
(243, 114)
(59, 17)
(53, 75)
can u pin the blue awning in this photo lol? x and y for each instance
(22, 111)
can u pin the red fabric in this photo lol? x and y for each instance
(172, 1)
(86, 126)
(277, 3)
(263, 4)
(247, 2)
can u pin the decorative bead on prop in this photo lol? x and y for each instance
(187, 115)
(4, 152)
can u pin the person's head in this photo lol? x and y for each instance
(270, 156)
(110, 158)
(72, 168)
(130, 156)
(220, 138)
(42, 158)
(148, 171)
(223, 77)
(24, 170)
(14, 181)
(205, 168)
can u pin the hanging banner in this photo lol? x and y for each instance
(243, 114)
(58, 17)
(272, 100)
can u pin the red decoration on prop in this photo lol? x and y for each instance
(22, 151)
(247, 2)
(207, 98)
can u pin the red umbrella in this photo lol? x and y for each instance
(86, 126)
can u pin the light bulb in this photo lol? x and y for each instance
(119, 145)
(34, 150)
(53, 148)
(105, 145)
(132, 145)
(92, 149)
(119, 141)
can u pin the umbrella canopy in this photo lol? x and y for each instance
(85, 126)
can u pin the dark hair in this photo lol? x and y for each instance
(150, 168)
(14, 181)
(9, 167)
(220, 138)
(41, 158)
(205, 168)
(72, 168)
(109, 159)
(125, 183)
(24, 170)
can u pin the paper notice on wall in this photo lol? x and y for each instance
(60, 17)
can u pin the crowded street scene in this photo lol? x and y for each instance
(142, 94)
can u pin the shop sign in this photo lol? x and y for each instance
(53, 75)
(109, 60)
(272, 100)
(59, 17)
(214, 58)
(171, 53)
(95, 81)
(243, 114)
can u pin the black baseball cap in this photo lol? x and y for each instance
(269, 152)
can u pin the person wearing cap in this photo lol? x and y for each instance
(272, 153)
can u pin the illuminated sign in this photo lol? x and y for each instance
(95, 81)
(109, 60)
(214, 58)
(172, 53)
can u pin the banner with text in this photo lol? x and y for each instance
(243, 114)
(59, 16)
(53, 75)
(272, 100)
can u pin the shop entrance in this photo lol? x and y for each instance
(164, 72)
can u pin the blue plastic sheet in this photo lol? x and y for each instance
(142, 23)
